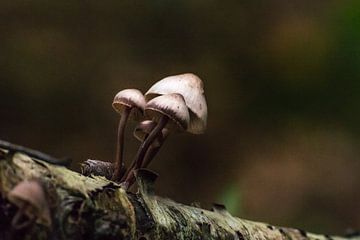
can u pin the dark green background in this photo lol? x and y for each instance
(282, 81)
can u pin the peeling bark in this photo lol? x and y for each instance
(96, 208)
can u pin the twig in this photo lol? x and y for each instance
(34, 153)
(97, 168)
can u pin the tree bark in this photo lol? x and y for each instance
(96, 208)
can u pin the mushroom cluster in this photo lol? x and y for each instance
(172, 105)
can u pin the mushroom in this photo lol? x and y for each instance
(124, 102)
(191, 88)
(169, 111)
(30, 198)
(144, 128)
(141, 132)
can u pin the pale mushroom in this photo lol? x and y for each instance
(128, 103)
(30, 198)
(191, 88)
(169, 111)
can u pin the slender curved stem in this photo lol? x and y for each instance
(152, 151)
(119, 163)
(139, 158)
(129, 170)
(16, 221)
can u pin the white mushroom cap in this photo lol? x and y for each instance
(171, 105)
(32, 193)
(191, 88)
(144, 128)
(132, 98)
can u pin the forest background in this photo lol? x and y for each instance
(282, 80)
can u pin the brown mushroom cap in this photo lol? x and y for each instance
(31, 192)
(132, 98)
(191, 88)
(171, 105)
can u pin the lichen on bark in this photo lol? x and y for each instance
(82, 207)
(96, 208)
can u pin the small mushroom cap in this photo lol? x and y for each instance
(31, 192)
(132, 98)
(191, 88)
(144, 128)
(171, 105)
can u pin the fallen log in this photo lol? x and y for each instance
(93, 207)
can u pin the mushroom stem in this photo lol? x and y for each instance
(149, 155)
(119, 163)
(139, 158)
(16, 221)
(152, 151)
(129, 171)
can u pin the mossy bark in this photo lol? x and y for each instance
(96, 208)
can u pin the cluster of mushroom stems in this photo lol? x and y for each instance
(173, 104)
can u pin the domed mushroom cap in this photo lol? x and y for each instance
(130, 98)
(191, 88)
(144, 128)
(171, 105)
(31, 193)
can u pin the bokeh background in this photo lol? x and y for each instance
(282, 81)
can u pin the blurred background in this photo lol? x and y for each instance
(282, 81)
